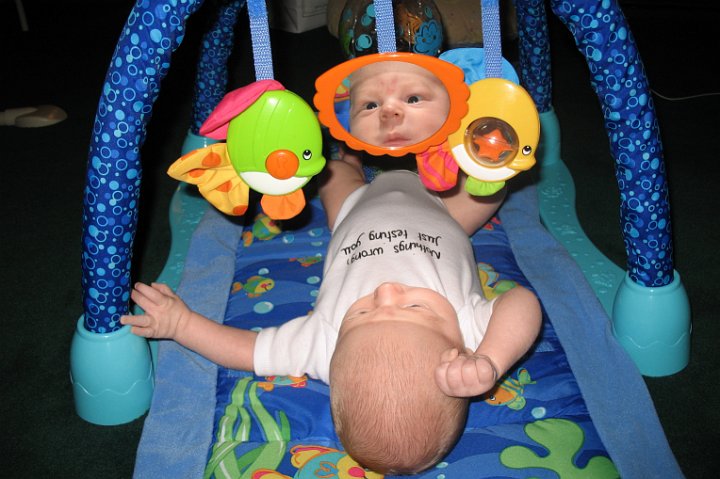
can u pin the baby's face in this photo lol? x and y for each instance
(416, 311)
(396, 104)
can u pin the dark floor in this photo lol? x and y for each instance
(62, 60)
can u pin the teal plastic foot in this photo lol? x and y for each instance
(556, 198)
(549, 146)
(653, 325)
(193, 142)
(111, 374)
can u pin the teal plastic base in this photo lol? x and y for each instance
(556, 198)
(111, 375)
(193, 142)
(549, 145)
(653, 325)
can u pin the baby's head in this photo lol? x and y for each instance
(395, 104)
(389, 413)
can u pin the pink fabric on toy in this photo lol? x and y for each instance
(437, 167)
(232, 105)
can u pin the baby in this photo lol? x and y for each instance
(400, 330)
(395, 104)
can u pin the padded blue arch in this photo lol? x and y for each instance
(212, 70)
(656, 337)
(534, 52)
(618, 77)
(154, 29)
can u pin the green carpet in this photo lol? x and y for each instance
(62, 60)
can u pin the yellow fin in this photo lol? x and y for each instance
(210, 169)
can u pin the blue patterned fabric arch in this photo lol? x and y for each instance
(212, 70)
(534, 49)
(618, 77)
(603, 36)
(153, 30)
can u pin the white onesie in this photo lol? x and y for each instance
(392, 230)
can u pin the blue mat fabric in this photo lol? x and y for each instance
(573, 403)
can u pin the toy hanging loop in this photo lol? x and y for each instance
(260, 36)
(385, 26)
(492, 44)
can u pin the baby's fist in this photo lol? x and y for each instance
(465, 374)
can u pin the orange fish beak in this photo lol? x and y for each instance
(282, 164)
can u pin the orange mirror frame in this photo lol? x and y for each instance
(451, 76)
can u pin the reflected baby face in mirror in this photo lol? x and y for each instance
(396, 104)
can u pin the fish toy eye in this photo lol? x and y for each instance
(307, 154)
(527, 149)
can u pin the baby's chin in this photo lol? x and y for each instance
(404, 141)
(399, 142)
(391, 141)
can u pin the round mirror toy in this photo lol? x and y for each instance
(397, 103)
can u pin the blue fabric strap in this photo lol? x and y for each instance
(490, 10)
(385, 26)
(260, 35)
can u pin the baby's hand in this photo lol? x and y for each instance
(465, 374)
(164, 311)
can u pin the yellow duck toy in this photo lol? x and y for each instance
(496, 140)
(498, 137)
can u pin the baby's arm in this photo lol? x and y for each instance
(168, 317)
(340, 178)
(513, 327)
(471, 212)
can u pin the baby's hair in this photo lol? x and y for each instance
(388, 412)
